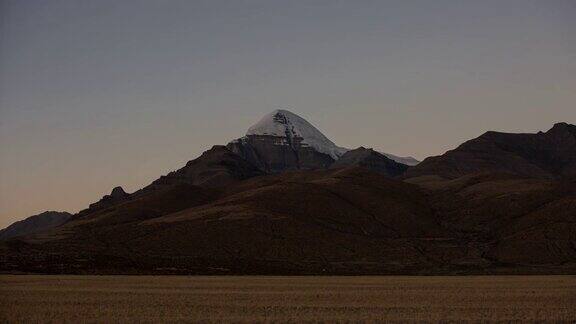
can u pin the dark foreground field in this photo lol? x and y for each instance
(105, 299)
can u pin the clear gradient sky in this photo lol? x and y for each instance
(100, 93)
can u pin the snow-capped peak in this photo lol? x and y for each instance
(289, 126)
(283, 123)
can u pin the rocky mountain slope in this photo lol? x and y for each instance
(545, 155)
(371, 160)
(340, 221)
(214, 168)
(301, 222)
(35, 224)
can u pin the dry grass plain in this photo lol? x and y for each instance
(109, 299)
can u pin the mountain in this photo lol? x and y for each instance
(371, 160)
(501, 203)
(341, 220)
(338, 221)
(283, 141)
(513, 221)
(35, 224)
(545, 155)
(294, 130)
(117, 195)
(408, 160)
(214, 168)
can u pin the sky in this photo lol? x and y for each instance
(100, 93)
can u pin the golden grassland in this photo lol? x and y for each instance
(107, 299)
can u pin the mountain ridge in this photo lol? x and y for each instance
(34, 224)
(504, 203)
(549, 154)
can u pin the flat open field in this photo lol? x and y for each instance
(75, 299)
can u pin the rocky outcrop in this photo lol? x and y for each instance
(274, 154)
(117, 195)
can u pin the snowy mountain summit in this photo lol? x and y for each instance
(292, 129)
(282, 141)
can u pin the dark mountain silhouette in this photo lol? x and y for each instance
(522, 221)
(307, 221)
(34, 224)
(371, 160)
(214, 168)
(223, 214)
(546, 155)
(117, 195)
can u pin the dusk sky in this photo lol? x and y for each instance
(100, 93)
